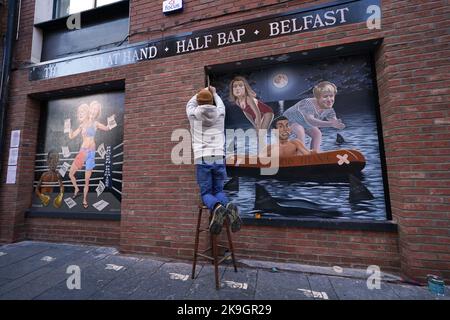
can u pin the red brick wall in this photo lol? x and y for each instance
(104, 233)
(357, 249)
(159, 202)
(414, 94)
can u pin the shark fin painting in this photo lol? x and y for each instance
(291, 207)
(358, 191)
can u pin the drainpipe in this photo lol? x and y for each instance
(6, 68)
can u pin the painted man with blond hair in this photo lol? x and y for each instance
(310, 114)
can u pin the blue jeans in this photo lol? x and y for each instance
(211, 178)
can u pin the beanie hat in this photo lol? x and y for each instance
(204, 96)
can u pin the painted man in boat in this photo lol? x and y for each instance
(295, 161)
(287, 148)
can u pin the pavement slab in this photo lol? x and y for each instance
(240, 285)
(4, 281)
(171, 281)
(204, 284)
(356, 289)
(282, 285)
(408, 292)
(129, 281)
(321, 287)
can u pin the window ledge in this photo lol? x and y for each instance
(330, 224)
(95, 15)
(75, 215)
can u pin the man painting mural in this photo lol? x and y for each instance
(207, 131)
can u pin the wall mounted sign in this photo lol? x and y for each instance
(172, 6)
(300, 21)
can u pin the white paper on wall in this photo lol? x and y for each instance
(100, 205)
(15, 139)
(70, 202)
(65, 152)
(67, 126)
(13, 155)
(112, 122)
(100, 188)
(64, 168)
(101, 150)
(11, 175)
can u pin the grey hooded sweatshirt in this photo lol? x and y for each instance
(207, 127)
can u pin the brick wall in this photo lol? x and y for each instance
(105, 233)
(414, 98)
(160, 198)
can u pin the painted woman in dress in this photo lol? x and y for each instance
(87, 115)
(258, 113)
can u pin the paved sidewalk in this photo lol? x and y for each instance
(38, 270)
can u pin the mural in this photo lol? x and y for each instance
(327, 138)
(78, 165)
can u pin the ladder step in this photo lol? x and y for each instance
(205, 256)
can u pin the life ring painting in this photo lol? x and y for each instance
(78, 166)
(320, 119)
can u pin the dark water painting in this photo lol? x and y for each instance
(344, 178)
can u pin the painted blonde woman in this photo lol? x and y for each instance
(87, 117)
(258, 113)
(310, 114)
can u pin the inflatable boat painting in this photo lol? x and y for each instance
(326, 165)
